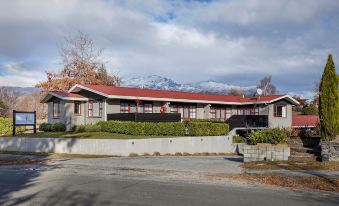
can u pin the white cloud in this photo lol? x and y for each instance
(247, 12)
(224, 40)
(15, 74)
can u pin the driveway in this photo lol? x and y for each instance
(142, 181)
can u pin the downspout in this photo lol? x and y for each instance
(105, 106)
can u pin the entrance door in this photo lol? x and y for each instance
(186, 112)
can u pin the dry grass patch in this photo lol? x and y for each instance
(56, 155)
(290, 165)
(133, 154)
(18, 161)
(156, 154)
(295, 182)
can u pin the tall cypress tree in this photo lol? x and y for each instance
(329, 102)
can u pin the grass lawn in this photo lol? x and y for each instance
(51, 155)
(290, 165)
(88, 135)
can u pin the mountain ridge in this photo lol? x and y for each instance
(164, 83)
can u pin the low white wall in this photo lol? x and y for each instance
(215, 144)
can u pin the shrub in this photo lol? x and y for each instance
(45, 127)
(143, 128)
(239, 139)
(58, 127)
(271, 136)
(87, 128)
(78, 128)
(200, 128)
(5, 126)
(156, 153)
(133, 154)
(194, 128)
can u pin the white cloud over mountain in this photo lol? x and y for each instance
(237, 42)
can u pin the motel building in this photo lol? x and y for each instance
(88, 104)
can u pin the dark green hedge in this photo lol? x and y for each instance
(87, 128)
(271, 136)
(200, 128)
(56, 127)
(165, 128)
(143, 128)
(239, 139)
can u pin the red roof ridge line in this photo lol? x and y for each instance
(159, 90)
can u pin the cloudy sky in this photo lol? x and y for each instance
(236, 42)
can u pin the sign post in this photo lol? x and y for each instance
(21, 118)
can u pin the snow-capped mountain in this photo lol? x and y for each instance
(158, 82)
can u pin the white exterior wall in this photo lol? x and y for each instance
(282, 122)
(200, 111)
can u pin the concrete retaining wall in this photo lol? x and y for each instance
(215, 144)
(330, 151)
(265, 152)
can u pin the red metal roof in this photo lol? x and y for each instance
(138, 92)
(305, 120)
(66, 94)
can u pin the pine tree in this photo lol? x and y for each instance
(329, 102)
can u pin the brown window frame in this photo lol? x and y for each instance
(56, 114)
(80, 107)
(253, 110)
(90, 108)
(125, 108)
(275, 111)
(147, 108)
(224, 112)
(174, 108)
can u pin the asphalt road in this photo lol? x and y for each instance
(75, 182)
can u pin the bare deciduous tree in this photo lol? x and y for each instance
(31, 102)
(316, 94)
(235, 92)
(267, 86)
(81, 64)
(9, 97)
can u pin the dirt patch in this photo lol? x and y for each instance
(131, 169)
(18, 161)
(295, 182)
(291, 165)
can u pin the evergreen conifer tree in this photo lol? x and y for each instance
(329, 102)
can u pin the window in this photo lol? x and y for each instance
(56, 109)
(280, 110)
(248, 110)
(212, 112)
(77, 108)
(174, 109)
(221, 113)
(132, 108)
(148, 108)
(228, 112)
(140, 108)
(193, 112)
(94, 109)
(124, 108)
